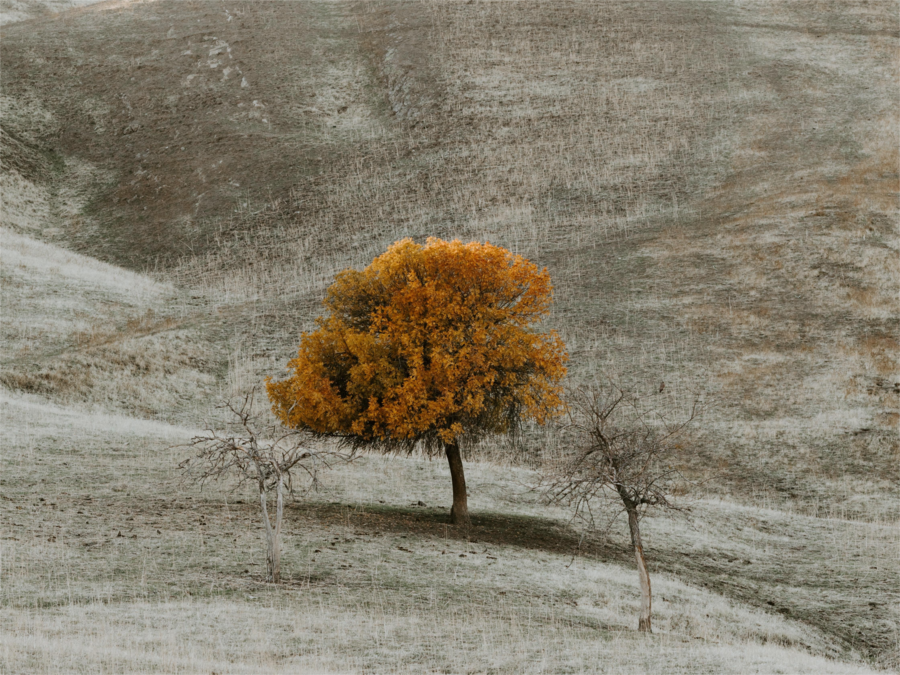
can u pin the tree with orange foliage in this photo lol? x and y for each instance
(429, 346)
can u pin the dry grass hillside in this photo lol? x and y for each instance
(713, 186)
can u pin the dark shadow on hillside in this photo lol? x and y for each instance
(529, 532)
(844, 599)
(817, 597)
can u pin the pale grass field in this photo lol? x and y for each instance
(367, 589)
(713, 187)
(186, 595)
(89, 333)
(22, 10)
(297, 633)
(56, 294)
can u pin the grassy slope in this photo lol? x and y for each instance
(109, 564)
(712, 186)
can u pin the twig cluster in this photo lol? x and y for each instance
(254, 452)
(265, 454)
(622, 449)
(625, 450)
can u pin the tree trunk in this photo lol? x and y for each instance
(276, 544)
(644, 621)
(273, 547)
(459, 513)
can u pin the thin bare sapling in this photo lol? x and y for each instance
(623, 454)
(272, 457)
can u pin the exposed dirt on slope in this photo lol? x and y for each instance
(193, 110)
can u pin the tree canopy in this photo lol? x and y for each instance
(428, 344)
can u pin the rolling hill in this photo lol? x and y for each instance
(713, 187)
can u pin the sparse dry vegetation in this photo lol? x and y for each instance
(713, 187)
(618, 447)
(269, 456)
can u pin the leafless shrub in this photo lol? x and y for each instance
(624, 453)
(273, 457)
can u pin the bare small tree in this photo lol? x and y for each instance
(268, 455)
(623, 451)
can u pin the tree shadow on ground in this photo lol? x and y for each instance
(759, 583)
(501, 529)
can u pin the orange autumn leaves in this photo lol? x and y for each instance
(428, 343)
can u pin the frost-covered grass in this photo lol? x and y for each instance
(53, 297)
(311, 632)
(39, 262)
(713, 187)
(83, 332)
(108, 563)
